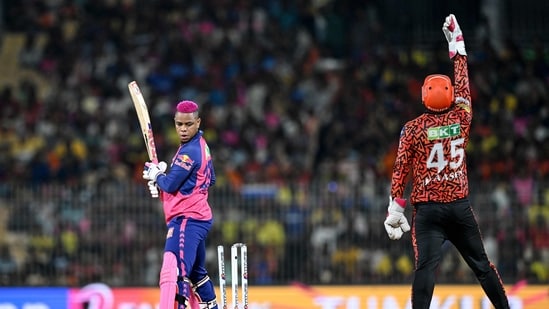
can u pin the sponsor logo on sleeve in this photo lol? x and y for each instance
(184, 161)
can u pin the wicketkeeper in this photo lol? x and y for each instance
(432, 148)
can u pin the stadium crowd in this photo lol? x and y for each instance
(302, 104)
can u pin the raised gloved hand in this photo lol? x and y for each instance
(454, 36)
(152, 170)
(396, 223)
(153, 189)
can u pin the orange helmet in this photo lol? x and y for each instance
(437, 92)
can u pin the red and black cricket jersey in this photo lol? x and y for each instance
(432, 148)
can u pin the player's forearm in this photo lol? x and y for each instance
(398, 180)
(461, 77)
(168, 183)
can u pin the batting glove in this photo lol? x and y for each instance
(151, 171)
(396, 223)
(153, 189)
(454, 36)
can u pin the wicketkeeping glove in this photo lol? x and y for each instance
(153, 189)
(454, 36)
(396, 223)
(151, 171)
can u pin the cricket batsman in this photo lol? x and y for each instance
(183, 189)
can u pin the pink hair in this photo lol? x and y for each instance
(187, 107)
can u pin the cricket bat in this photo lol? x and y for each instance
(144, 120)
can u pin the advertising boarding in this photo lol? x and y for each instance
(295, 296)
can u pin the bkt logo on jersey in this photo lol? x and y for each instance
(443, 131)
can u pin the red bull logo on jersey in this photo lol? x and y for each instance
(184, 161)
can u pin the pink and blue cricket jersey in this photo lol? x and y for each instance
(184, 189)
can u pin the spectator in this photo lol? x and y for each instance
(317, 107)
(8, 266)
